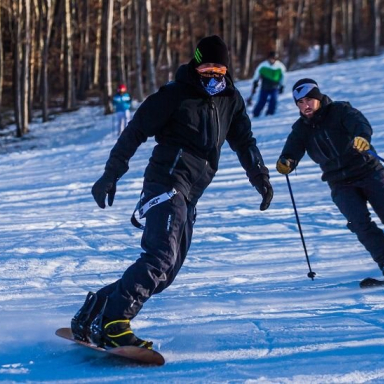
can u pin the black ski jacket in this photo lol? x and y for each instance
(328, 139)
(190, 127)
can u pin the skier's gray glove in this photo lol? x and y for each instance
(264, 187)
(106, 185)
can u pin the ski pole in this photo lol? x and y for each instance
(374, 154)
(310, 274)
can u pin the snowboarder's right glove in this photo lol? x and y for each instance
(360, 144)
(264, 187)
(285, 166)
(106, 185)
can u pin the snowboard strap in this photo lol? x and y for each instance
(144, 208)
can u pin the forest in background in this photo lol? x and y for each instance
(56, 55)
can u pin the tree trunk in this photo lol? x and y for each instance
(298, 27)
(356, 27)
(138, 69)
(107, 55)
(347, 17)
(248, 67)
(49, 5)
(121, 47)
(278, 18)
(151, 75)
(376, 26)
(167, 46)
(69, 82)
(84, 61)
(96, 65)
(25, 66)
(331, 30)
(16, 21)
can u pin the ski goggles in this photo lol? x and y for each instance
(212, 71)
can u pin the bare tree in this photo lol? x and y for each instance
(138, 69)
(17, 21)
(356, 27)
(47, 7)
(347, 18)
(25, 66)
(96, 65)
(376, 25)
(107, 55)
(298, 26)
(69, 83)
(250, 36)
(84, 50)
(121, 74)
(151, 75)
(331, 32)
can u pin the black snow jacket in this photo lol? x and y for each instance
(328, 139)
(190, 127)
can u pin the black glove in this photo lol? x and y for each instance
(281, 89)
(249, 101)
(106, 185)
(264, 187)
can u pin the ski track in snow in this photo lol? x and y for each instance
(242, 308)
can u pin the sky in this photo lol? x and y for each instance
(242, 309)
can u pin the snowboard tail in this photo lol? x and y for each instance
(136, 354)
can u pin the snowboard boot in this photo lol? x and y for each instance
(117, 333)
(81, 322)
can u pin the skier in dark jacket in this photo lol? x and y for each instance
(337, 137)
(190, 119)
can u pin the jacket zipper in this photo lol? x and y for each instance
(177, 158)
(215, 117)
(331, 143)
(217, 123)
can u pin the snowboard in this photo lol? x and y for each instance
(370, 282)
(131, 353)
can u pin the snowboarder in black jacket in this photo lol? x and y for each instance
(337, 137)
(190, 119)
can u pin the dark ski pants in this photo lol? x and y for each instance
(264, 96)
(351, 199)
(165, 242)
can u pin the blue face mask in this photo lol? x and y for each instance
(213, 85)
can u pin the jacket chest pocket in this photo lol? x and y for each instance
(198, 124)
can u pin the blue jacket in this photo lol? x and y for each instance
(122, 102)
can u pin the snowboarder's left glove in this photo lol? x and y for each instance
(281, 89)
(106, 185)
(264, 187)
(360, 144)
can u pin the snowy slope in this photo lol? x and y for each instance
(241, 310)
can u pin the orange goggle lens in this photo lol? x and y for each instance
(213, 70)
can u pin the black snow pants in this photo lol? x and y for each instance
(351, 198)
(165, 242)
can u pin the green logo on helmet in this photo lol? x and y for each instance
(198, 56)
